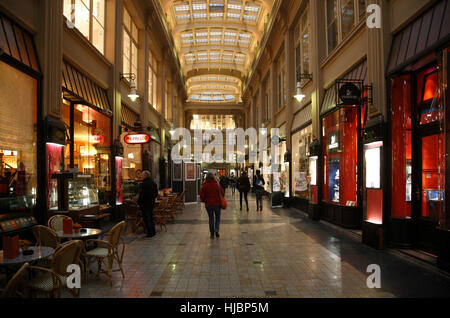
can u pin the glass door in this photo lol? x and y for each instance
(431, 190)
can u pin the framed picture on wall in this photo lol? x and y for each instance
(177, 172)
(190, 171)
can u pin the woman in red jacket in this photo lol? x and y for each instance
(209, 194)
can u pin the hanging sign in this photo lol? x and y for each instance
(96, 139)
(137, 139)
(350, 94)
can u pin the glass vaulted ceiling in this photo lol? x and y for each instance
(216, 41)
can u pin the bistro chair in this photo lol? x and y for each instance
(11, 289)
(45, 236)
(179, 202)
(133, 215)
(160, 213)
(107, 251)
(56, 222)
(171, 207)
(50, 281)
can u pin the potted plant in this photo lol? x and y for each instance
(76, 227)
(24, 244)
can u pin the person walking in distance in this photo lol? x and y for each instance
(258, 185)
(243, 186)
(232, 183)
(210, 194)
(224, 182)
(147, 197)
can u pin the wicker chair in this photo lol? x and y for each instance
(179, 202)
(56, 222)
(11, 289)
(171, 207)
(133, 215)
(160, 213)
(45, 236)
(51, 281)
(107, 251)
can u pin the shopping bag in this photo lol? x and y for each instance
(67, 226)
(223, 201)
(10, 247)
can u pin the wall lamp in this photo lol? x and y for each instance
(299, 95)
(131, 77)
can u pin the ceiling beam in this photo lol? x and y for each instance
(181, 27)
(235, 48)
(215, 71)
(222, 65)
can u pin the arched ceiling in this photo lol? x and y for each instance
(216, 42)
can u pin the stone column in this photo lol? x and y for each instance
(289, 52)
(115, 92)
(50, 39)
(376, 61)
(317, 50)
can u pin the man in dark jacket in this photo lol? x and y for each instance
(243, 186)
(147, 198)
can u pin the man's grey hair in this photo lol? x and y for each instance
(146, 174)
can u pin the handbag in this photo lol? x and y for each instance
(223, 201)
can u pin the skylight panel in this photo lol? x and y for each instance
(181, 8)
(199, 6)
(199, 15)
(229, 97)
(249, 17)
(251, 8)
(216, 15)
(233, 15)
(186, 35)
(183, 17)
(233, 6)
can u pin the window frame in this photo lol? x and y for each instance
(153, 77)
(133, 41)
(357, 18)
(91, 22)
(298, 44)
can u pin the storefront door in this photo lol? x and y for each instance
(429, 198)
(428, 180)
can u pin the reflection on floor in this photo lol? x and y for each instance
(276, 253)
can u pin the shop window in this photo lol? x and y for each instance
(401, 147)
(18, 161)
(428, 97)
(91, 145)
(88, 16)
(300, 155)
(340, 148)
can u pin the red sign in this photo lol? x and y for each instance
(137, 139)
(96, 139)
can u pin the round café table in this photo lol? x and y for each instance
(12, 265)
(80, 235)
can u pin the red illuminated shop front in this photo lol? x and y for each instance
(342, 119)
(418, 174)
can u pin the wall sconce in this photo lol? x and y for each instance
(131, 77)
(172, 130)
(299, 95)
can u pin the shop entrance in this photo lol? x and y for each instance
(429, 199)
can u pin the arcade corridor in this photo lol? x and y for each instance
(276, 253)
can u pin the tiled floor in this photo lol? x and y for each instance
(276, 253)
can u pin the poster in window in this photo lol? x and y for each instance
(177, 172)
(190, 171)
